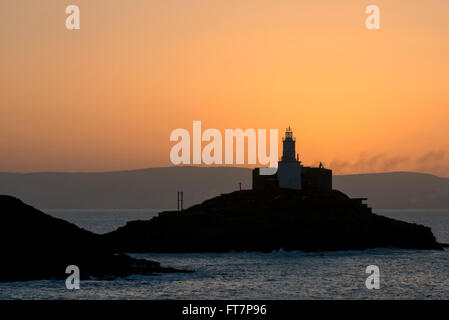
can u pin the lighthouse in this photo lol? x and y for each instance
(291, 174)
(289, 168)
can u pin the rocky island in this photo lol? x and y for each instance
(37, 246)
(267, 220)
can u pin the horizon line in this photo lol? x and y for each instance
(201, 167)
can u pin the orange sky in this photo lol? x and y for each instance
(107, 96)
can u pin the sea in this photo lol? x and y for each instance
(404, 274)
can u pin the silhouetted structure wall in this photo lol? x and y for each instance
(312, 179)
(289, 175)
(316, 178)
(264, 182)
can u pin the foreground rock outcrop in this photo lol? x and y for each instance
(265, 221)
(36, 246)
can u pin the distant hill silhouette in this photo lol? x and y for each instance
(396, 190)
(145, 188)
(157, 187)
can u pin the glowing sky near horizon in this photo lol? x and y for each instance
(107, 96)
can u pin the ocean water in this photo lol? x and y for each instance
(102, 220)
(404, 274)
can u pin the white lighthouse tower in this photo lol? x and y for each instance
(289, 168)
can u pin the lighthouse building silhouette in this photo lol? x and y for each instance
(291, 174)
(289, 168)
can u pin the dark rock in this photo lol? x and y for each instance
(37, 246)
(265, 221)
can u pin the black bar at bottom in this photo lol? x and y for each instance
(241, 309)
